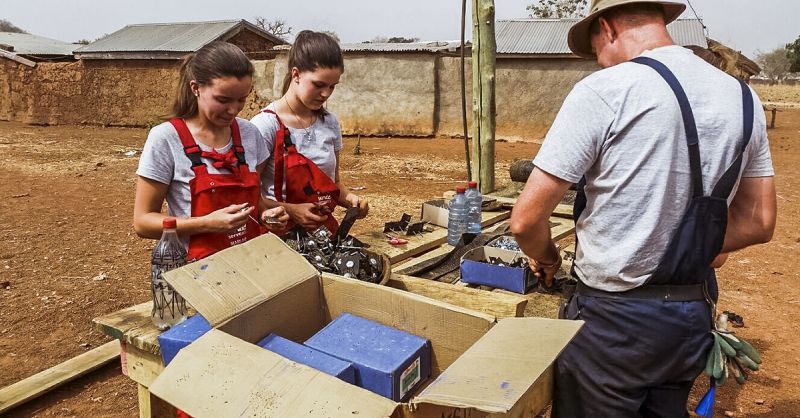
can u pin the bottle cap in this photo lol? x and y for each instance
(169, 223)
(473, 184)
(460, 189)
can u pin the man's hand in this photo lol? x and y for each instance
(545, 273)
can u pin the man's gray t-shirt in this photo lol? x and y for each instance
(319, 143)
(164, 161)
(622, 128)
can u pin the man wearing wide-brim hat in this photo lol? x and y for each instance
(674, 173)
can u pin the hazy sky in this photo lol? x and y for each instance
(747, 25)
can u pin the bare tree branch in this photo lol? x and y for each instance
(277, 27)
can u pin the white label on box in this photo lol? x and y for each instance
(409, 377)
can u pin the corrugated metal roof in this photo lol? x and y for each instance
(165, 37)
(688, 32)
(27, 44)
(435, 46)
(549, 36)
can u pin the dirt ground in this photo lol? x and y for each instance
(68, 254)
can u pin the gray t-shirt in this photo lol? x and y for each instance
(319, 143)
(622, 128)
(164, 161)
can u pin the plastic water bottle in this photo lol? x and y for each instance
(474, 202)
(457, 217)
(169, 308)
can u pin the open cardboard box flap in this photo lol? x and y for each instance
(237, 279)
(222, 376)
(501, 368)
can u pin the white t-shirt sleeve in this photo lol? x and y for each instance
(337, 128)
(576, 136)
(267, 125)
(759, 163)
(157, 161)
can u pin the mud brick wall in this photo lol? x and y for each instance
(390, 94)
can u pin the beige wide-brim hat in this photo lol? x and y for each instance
(578, 38)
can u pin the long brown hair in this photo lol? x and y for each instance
(312, 50)
(214, 60)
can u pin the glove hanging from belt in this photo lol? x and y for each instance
(730, 355)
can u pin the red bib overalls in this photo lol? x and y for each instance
(211, 192)
(305, 182)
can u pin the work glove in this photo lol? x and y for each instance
(730, 355)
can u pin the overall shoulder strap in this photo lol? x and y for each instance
(238, 148)
(689, 124)
(283, 139)
(190, 147)
(728, 180)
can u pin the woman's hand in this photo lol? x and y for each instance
(275, 218)
(306, 214)
(228, 218)
(357, 202)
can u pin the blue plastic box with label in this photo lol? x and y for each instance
(389, 362)
(476, 270)
(310, 357)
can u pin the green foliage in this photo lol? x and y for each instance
(557, 9)
(793, 53)
(6, 26)
(774, 64)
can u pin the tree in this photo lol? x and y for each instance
(793, 53)
(774, 64)
(6, 26)
(557, 9)
(277, 27)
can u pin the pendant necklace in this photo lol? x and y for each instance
(307, 130)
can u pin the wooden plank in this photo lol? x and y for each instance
(411, 262)
(133, 326)
(420, 244)
(55, 376)
(495, 304)
(14, 57)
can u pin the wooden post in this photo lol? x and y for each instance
(484, 48)
(772, 123)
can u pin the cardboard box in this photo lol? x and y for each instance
(248, 291)
(389, 362)
(310, 357)
(181, 335)
(435, 212)
(475, 270)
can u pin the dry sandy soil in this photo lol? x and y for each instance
(66, 196)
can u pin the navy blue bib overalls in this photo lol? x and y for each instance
(641, 350)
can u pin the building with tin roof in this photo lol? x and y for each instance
(28, 49)
(174, 40)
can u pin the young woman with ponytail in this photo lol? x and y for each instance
(302, 174)
(204, 161)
